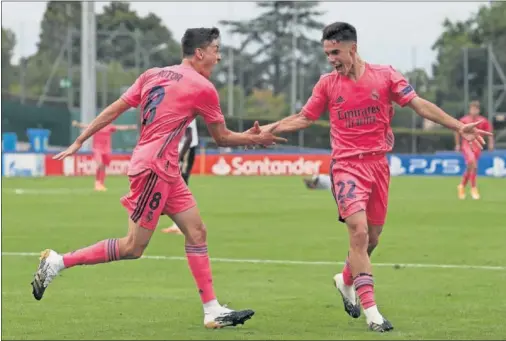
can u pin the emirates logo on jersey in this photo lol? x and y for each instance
(375, 95)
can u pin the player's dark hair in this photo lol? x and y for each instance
(475, 104)
(339, 31)
(195, 38)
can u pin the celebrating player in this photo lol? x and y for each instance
(102, 149)
(187, 148)
(472, 155)
(359, 98)
(169, 98)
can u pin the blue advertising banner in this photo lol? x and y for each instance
(446, 164)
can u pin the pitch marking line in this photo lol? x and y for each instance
(50, 191)
(297, 262)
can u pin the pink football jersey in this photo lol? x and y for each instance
(169, 99)
(102, 140)
(360, 112)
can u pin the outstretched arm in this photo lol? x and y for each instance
(208, 107)
(119, 127)
(125, 127)
(403, 94)
(108, 115)
(131, 98)
(435, 114)
(289, 124)
(79, 125)
(227, 138)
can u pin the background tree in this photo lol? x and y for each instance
(484, 27)
(269, 38)
(8, 70)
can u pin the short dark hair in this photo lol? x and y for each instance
(475, 104)
(194, 38)
(339, 31)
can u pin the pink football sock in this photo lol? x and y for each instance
(101, 176)
(465, 178)
(473, 178)
(101, 252)
(198, 261)
(364, 285)
(347, 275)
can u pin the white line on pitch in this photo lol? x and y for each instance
(49, 191)
(297, 262)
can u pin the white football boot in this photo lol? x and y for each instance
(50, 265)
(221, 317)
(350, 299)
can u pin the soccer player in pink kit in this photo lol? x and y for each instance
(169, 99)
(472, 155)
(359, 97)
(102, 149)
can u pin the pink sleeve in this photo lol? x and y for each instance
(133, 95)
(208, 106)
(317, 103)
(401, 92)
(113, 129)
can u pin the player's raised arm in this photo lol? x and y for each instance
(79, 125)
(108, 115)
(131, 98)
(404, 94)
(125, 127)
(434, 113)
(105, 118)
(288, 124)
(209, 108)
(227, 138)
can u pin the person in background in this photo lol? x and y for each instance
(472, 155)
(102, 149)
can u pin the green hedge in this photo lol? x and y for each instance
(17, 118)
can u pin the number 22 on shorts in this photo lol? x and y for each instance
(350, 185)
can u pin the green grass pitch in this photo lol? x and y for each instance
(257, 218)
